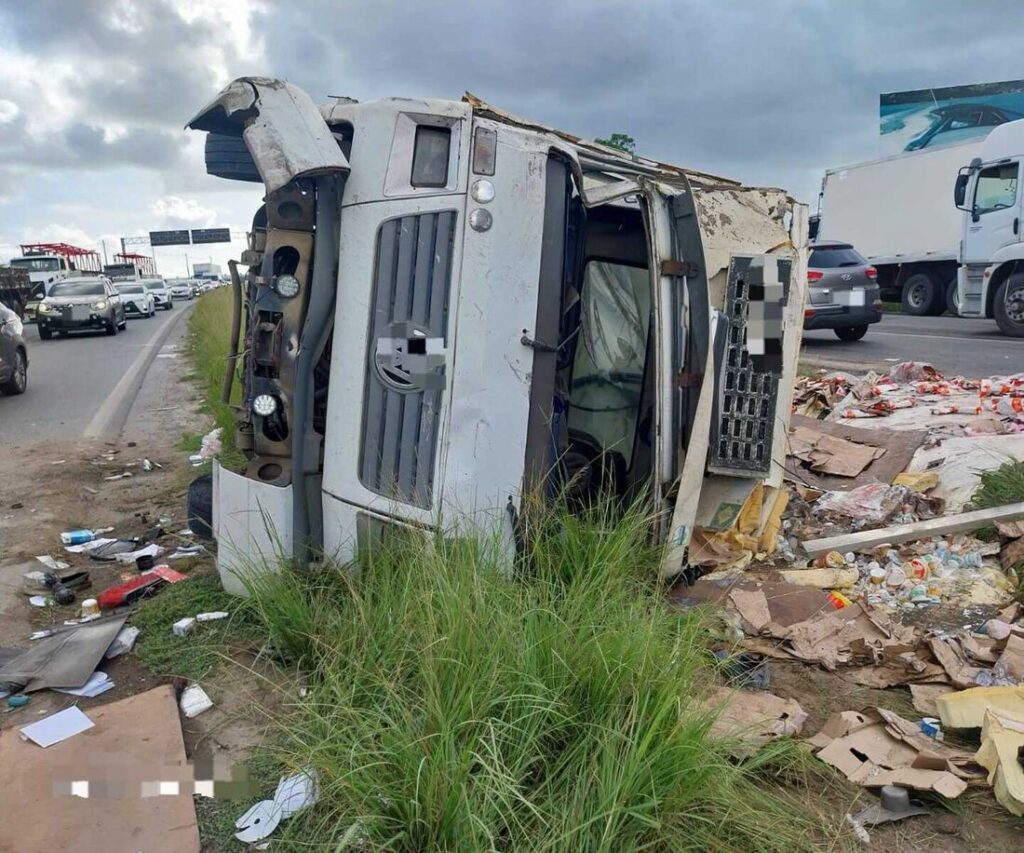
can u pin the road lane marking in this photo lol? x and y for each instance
(112, 413)
(930, 337)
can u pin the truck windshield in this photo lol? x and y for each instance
(997, 188)
(77, 288)
(36, 264)
(608, 371)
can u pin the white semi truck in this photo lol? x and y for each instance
(896, 212)
(987, 190)
(448, 308)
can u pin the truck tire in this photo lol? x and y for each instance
(227, 157)
(851, 333)
(921, 297)
(45, 334)
(1008, 306)
(953, 297)
(200, 506)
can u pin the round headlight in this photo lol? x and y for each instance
(286, 285)
(480, 219)
(100, 305)
(264, 405)
(482, 191)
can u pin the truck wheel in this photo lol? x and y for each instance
(953, 298)
(19, 378)
(851, 333)
(921, 296)
(200, 506)
(1008, 306)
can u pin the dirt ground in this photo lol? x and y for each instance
(48, 487)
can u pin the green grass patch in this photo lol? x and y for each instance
(208, 341)
(195, 655)
(892, 307)
(459, 702)
(998, 487)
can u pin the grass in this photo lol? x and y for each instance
(209, 332)
(459, 702)
(195, 655)
(998, 487)
(892, 307)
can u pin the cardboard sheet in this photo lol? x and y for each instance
(1001, 742)
(965, 709)
(137, 739)
(753, 608)
(755, 716)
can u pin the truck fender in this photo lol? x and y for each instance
(281, 126)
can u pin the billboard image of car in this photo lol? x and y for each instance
(934, 118)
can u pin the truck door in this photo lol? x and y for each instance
(994, 218)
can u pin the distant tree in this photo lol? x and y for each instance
(622, 141)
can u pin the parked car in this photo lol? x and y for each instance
(161, 293)
(842, 291)
(136, 299)
(13, 353)
(181, 288)
(79, 304)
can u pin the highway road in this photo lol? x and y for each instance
(84, 386)
(956, 346)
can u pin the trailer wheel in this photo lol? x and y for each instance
(1008, 306)
(200, 506)
(227, 157)
(953, 298)
(921, 297)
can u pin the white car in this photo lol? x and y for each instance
(181, 288)
(158, 289)
(138, 302)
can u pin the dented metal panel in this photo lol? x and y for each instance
(282, 128)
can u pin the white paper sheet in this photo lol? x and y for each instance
(57, 727)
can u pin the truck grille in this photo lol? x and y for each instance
(404, 384)
(744, 423)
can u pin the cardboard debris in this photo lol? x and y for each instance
(925, 696)
(131, 743)
(1009, 529)
(840, 636)
(965, 709)
(951, 656)
(835, 457)
(754, 717)
(876, 747)
(1002, 739)
(752, 606)
(1012, 554)
(1011, 661)
(921, 481)
(823, 578)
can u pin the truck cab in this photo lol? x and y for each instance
(449, 309)
(990, 277)
(43, 270)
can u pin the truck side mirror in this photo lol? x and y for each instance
(960, 191)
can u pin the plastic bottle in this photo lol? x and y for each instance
(77, 537)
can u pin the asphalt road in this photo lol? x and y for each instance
(84, 385)
(956, 346)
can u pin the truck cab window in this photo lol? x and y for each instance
(997, 188)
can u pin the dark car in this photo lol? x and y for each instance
(13, 353)
(842, 291)
(81, 304)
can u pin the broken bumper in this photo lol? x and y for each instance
(252, 522)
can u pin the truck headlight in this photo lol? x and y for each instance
(286, 286)
(264, 405)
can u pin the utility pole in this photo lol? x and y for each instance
(104, 244)
(188, 271)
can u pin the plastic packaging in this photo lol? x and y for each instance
(77, 537)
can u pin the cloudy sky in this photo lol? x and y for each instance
(95, 92)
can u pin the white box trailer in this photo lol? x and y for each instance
(899, 213)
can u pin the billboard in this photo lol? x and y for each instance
(934, 118)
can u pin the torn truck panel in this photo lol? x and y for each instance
(483, 309)
(282, 128)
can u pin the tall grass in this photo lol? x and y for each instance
(209, 337)
(458, 704)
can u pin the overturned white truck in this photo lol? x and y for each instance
(448, 308)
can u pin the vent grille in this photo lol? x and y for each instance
(744, 422)
(412, 284)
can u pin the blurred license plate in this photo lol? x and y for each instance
(79, 312)
(855, 297)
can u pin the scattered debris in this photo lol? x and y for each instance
(57, 727)
(209, 448)
(194, 701)
(293, 794)
(894, 804)
(99, 682)
(754, 717)
(123, 642)
(183, 626)
(1002, 745)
